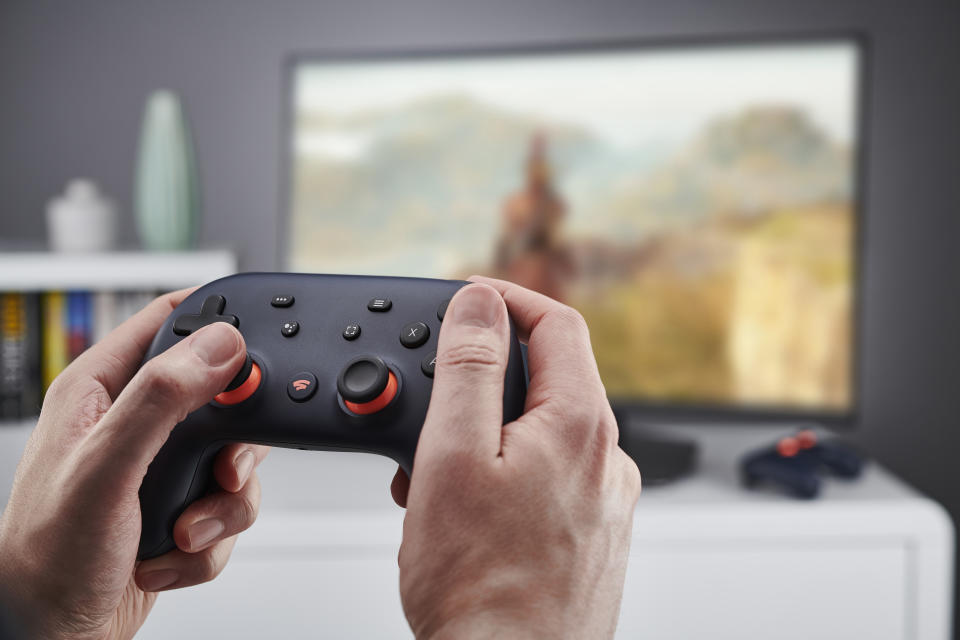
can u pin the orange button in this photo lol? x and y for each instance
(242, 392)
(807, 438)
(378, 403)
(788, 447)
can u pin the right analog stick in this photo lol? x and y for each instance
(366, 385)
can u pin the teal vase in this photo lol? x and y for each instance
(166, 199)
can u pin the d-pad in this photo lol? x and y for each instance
(210, 312)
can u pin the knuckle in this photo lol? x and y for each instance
(208, 566)
(608, 433)
(159, 382)
(248, 509)
(570, 319)
(160, 387)
(471, 356)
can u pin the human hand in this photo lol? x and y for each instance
(517, 530)
(69, 535)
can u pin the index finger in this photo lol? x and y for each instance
(560, 358)
(114, 360)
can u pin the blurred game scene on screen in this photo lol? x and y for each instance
(697, 204)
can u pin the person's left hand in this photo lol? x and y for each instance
(69, 535)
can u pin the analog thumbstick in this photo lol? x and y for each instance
(366, 385)
(243, 384)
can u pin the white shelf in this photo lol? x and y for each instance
(120, 270)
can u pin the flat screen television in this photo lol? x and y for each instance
(697, 201)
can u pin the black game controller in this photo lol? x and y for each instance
(795, 463)
(334, 363)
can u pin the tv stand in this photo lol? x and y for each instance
(661, 459)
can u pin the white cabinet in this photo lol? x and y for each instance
(868, 560)
(871, 559)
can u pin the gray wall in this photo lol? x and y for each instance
(73, 77)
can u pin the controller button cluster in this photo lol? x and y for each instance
(290, 329)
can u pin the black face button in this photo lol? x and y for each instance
(210, 312)
(442, 310)
(363, 379)
(379, 304)
(302, 386)
(414, 334)
(289, 329)
(281, 301)
(352, 332)
(428, 364)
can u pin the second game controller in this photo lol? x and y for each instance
(795, 463)
(334, 362)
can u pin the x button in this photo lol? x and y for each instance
(210, 311)
(414, 334)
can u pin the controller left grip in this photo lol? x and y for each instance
(181, 472)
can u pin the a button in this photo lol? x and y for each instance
(210, 312)
(244, 391)
(429, 364)
(442, 310)
(379, 304)
(281, 301)
(302, 386)
(414, 334)
(289, 329)
(351, 332)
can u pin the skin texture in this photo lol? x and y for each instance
(69, 535)
(517, 530)
(536, 514)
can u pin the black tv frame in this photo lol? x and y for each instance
(637, 408)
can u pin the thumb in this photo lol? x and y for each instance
(466, 406)
(167, 388)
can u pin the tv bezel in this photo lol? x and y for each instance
(639, 409)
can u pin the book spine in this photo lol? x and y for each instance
(32, 393)
(78, 323)
(104, 316)
(54, 337)
(12, 356)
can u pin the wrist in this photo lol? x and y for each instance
(487, 625)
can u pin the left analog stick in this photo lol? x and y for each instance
(243, 384)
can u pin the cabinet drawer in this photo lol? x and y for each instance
(739, 591)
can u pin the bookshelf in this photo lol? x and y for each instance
(55, 305)
(114, 271)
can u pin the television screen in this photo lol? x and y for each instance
(696, 203)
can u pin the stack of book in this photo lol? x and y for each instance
(41, 333)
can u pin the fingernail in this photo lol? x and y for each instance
(244, 465)
(204, 532)
(156, 580)
(476, 305)
(215, 344)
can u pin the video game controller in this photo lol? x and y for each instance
(334, 363)
(795, 463)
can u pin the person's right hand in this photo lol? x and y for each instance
(523, 529)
